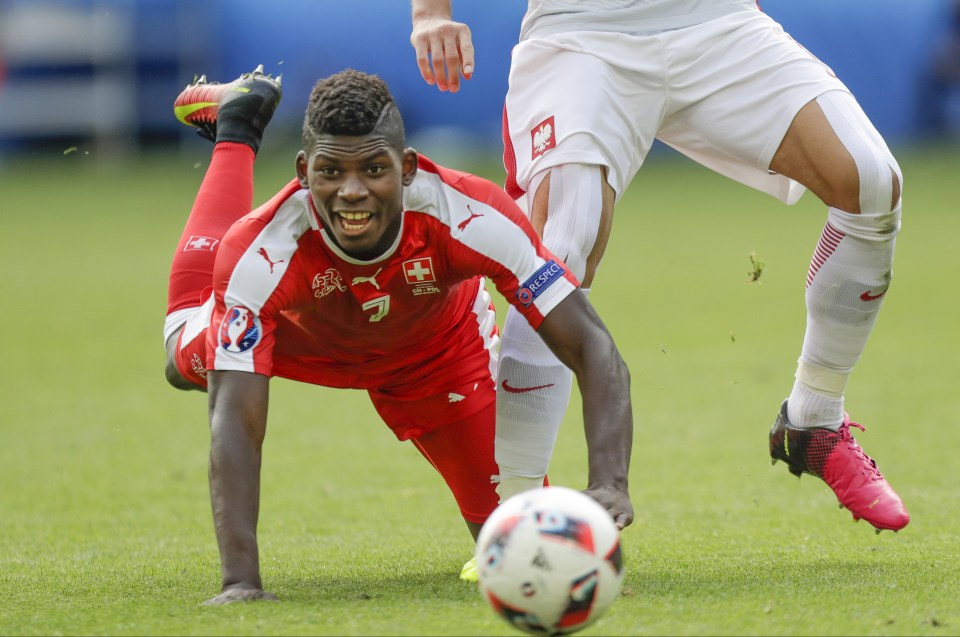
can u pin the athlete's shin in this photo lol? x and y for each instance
(849, 275)
(225, 195)
(534, 386)
(532, 398)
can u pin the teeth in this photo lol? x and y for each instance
(355, 216)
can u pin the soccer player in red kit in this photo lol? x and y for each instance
(367, 271)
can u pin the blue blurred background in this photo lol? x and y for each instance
(102, 74)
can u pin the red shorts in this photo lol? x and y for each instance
(453, 431)
(192, 359)
(463, 454)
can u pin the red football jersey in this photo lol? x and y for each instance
(413, 323)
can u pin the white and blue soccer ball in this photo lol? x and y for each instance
(549, 560)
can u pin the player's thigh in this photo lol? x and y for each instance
(462, 452)
(738, 91)
(575, 99)
(834, 150)
(812, 154)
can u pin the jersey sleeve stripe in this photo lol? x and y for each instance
(491, 232)
(256, 276)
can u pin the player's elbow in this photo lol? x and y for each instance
(602, 359)
(619, 372)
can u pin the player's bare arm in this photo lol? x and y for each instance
(575, 333)
(444, 47)
(238, 423)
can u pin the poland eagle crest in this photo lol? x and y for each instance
(543, 137)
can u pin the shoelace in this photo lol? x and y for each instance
(845, 435)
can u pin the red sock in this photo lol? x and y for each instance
(225, 195)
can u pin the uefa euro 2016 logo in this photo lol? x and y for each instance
(240, 329)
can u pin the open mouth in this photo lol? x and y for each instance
(354, 222)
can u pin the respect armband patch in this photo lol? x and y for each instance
(549, 272)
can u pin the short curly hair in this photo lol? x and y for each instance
(352, 103)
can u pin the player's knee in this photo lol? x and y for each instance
(193, 322)
(574, 217)
(174, 377)
(573, 255)
(872, 181)
(880, 182)
(842, 189)
(871, 185)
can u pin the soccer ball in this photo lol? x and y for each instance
(549, 560)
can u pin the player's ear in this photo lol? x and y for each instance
(409, 166)
(302, 169)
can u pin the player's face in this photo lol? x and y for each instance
(356, 183)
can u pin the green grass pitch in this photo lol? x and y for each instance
(105, 526)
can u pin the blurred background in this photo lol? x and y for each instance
(105, 525)
(100, 76)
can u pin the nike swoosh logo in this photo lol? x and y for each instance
(522, 390)
(182, 112)
(866, 296)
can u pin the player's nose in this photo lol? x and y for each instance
(352, 188)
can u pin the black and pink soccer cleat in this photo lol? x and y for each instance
(837, 459)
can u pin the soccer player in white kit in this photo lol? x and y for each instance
(592, 84)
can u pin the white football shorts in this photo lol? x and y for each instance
(723, 92)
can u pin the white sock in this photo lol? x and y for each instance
(849, 275)
(527, 419)
(814, 409)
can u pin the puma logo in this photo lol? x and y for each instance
(263, 253)
(463, 224)
(372, 280)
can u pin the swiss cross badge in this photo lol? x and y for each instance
(417, 271)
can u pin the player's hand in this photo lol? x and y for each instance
(240, 593)
(616, 502)
(444, 52)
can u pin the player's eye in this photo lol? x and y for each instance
(376, 169)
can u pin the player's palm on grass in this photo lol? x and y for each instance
(240, 594)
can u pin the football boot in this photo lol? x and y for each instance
(238, 111)
(469, 571)
(837, 459)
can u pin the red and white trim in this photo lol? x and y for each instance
(830, 239)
